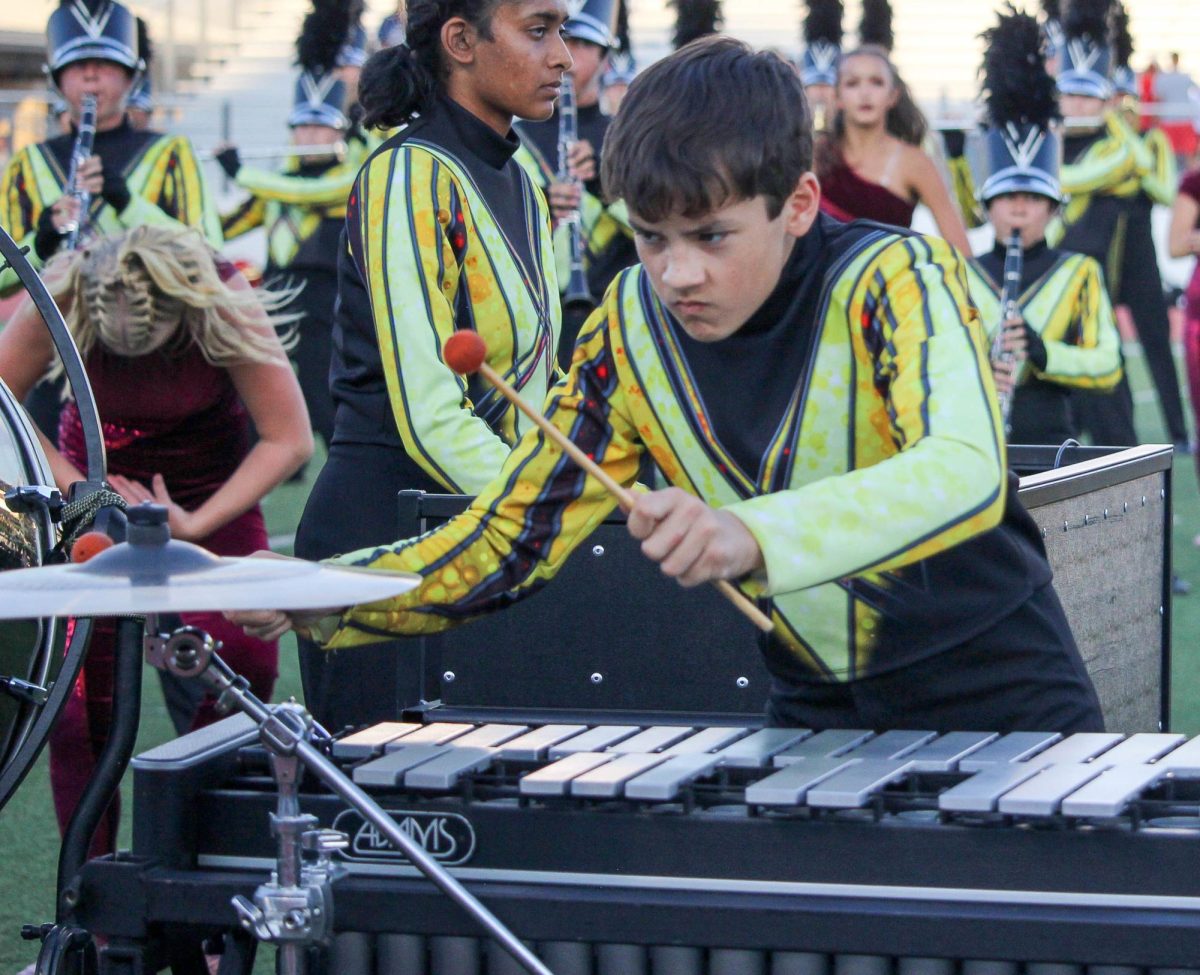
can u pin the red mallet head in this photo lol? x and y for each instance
(89, 544)
(464, 352)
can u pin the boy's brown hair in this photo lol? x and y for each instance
(713, 123)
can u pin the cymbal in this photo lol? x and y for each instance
(178, 577)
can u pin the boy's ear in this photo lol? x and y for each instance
(800, 210)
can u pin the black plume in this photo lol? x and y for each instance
(622, 31)
(824, 22)
(325, 30)
(94, 7)
(1087, 18)
(695, 18)
(1016, 85)
(876, 24)
(1052, 10)
(145, 48)
(1121, 38)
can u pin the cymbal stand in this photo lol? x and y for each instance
(295, 909)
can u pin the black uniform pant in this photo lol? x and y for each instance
(314, 344)
(353, 505)
(1023, 674)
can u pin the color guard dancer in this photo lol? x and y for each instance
(859, 494)
(1065, 329)
(870, 161)
(304, 207)
(444, 230)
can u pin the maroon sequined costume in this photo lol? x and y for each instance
(847, 196)
(168, 413)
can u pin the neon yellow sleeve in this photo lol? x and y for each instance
(1083, 349)
(329, 189)
(946, 483)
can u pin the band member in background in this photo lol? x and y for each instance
(181, 356)
(1064, 332)
(1104, 165)
(135, 178)
(870, 386)
(303, 208)
(606, 237)
(870, 162)
(819, 63)
(141, 100)
(695, 19)
(393, 26)
(444, 230)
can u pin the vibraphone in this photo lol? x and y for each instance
(621, 848)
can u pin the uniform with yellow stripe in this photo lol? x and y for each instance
(166, 184)
(879, 501)
(1064, 301)
(293, 203)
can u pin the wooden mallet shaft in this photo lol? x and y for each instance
(625, 498)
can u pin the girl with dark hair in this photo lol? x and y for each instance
(871, 165)
(444, 231)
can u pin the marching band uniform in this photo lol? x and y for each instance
(150, 178)
(819, 62)
(871, 382)
(1107, 217)
(1070, 325)
(444, 230)
(304, 209)
(607, 237)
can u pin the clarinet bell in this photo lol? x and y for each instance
(577, 298)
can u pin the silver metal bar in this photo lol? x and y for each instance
(757, 750)
(489, 736)
(607, 781)
(388, 770)
(1111, 792)
(983, 790)
(1043, 794)
(595, 739)
(554, 780)
(790, 784)
(651, 739)
(532, 746)
(943, 754)
(1082, 747)
(824, 744)
(663, 782)
(1143, 747)
(1017, 746)
(435, 733)
(447, 769)
(891, 745)
(370, 741)
(707, 740)
(852, 787)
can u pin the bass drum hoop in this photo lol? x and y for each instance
(32, 727)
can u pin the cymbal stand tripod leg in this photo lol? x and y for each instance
(285, 730)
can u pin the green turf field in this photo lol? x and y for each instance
(29, 839)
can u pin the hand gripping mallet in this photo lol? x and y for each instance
(465, 352)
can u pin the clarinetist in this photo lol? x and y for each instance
(134, 177)
(1053, 327)
(606, 238)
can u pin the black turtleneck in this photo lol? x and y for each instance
(1039, 258)
(747, 380)
(119, 148)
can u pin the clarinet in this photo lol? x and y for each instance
(1014, 258)
(577, 296)
(80, 154)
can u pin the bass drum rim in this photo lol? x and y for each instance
(34, 723)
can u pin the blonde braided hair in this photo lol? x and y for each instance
(158, 289)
